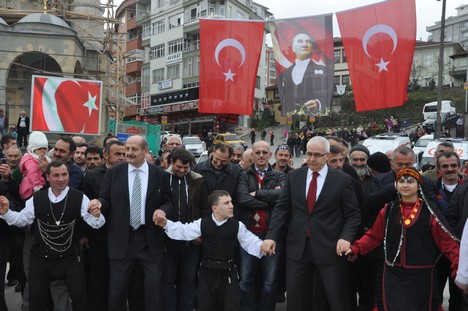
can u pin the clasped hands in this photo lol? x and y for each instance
(343, 247)
(159, 218)
(94, 208)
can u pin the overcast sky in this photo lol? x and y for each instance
(427, 11)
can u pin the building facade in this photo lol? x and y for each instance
(170, 71)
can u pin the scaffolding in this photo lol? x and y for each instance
(97, 31)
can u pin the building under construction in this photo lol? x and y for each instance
(64, 38)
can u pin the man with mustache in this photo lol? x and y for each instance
(448, 167)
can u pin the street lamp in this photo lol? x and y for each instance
(438, 126)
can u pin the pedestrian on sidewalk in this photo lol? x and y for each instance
(272, 138)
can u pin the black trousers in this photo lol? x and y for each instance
(121, 269)
(218, 290)
(98, 270)
(22, 137)
(44, 270)
(312, 286)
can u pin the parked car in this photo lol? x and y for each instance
(167, 134)
(386, 141)
(194, 145)
(448, 119)
(203, 157)
(229, 139)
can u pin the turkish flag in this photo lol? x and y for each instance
(229, 56)
(66, 105)
(379, 42)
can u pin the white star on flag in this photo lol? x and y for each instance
(229, 75)
(382, 65)
(91, 103)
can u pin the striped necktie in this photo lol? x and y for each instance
(135, 204)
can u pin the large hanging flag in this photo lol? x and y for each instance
(65, 105)
(303, 49)
(379, 42)
(229, 56)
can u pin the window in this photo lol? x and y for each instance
(157, 51)
(158, 27)
(239, 15)
(133, 34)
(416, 60)
(173, 71)
(343, 58)
(134, 56)
(191, 66)
(176, 46)
(336, 56)
(345, 79)
(176, 20)
(336, 80)
(428, 59)
(159, 3)
(257, 82)
(131, 15)
(158, 75)
(146, 30)
(145, 77)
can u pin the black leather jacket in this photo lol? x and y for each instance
(264, 199)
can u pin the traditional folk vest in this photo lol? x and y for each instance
(57, 235)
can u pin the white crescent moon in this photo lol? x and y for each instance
(230, 42)
(49, 104)
(377, 29)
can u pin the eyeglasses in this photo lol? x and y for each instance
(261, 152)
(315, 155)
(283, 147)
(359, 159)
(445, 166)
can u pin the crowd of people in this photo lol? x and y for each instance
(113, 227)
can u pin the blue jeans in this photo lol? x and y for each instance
(182, 256)
(248, 271)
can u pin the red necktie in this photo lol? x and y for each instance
(312, 193)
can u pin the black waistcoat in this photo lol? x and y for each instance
(219, 242)
(418, 248)
(53, 239)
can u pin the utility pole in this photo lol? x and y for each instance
(438, 125)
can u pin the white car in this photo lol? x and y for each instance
(194, 145)
(385, 142)
(167, 134)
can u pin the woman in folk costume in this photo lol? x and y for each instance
(413, 234)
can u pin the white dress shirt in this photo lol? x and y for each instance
(26, 216)
(190, 231)
(144, 174)
(320, 180)
(298, 70)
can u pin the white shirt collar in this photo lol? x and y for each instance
(143, 168)
(60, 197)
(323, 172)
(217, 222)
(299, 69)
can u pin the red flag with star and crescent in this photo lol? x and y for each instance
(229, 56)
(63, 105)
(379, 42)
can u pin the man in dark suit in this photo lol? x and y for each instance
(22, 128)
(131, 194)
(323, 215)
(305, 83)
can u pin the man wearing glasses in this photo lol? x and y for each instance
(319, 210)
(448, 167)
(444, 146)
(259, 188)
